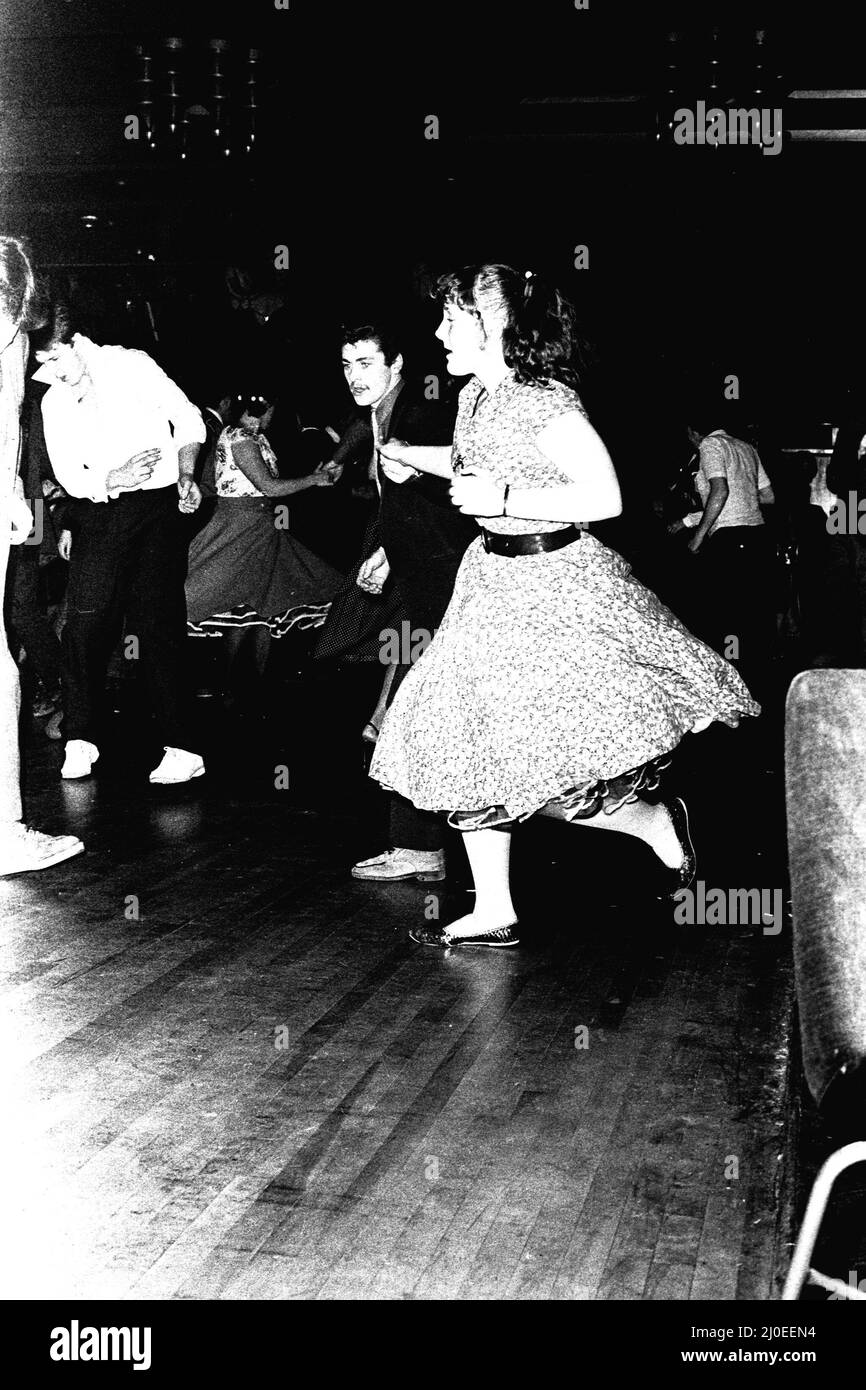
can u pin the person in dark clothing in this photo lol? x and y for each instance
(215, 418)
(846, 477)
(27, 615)
(415, 544)
(822, 606)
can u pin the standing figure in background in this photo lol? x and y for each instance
(21, 848)
(215, 418)
(846, 477)
(733, 487)
(27, 613)
(124, 438)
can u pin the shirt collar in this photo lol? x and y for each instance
(87, 350)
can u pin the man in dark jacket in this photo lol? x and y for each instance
(418, 540)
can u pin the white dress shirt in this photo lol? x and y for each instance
(131, 406)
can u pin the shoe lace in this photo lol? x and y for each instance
(38, 838)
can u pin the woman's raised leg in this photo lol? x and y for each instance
(662, 826)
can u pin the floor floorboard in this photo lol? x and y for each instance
(233, 1076)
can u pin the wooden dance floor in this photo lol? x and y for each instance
(229, 1074)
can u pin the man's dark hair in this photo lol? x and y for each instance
(383, 334)
(19, 294)
(57, 326)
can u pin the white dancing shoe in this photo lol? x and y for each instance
(178, 766)
(23, 849)
(428, 866)
(79, 760)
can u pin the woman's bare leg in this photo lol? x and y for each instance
(650, 823)
(489, 855)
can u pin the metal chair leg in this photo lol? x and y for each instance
(815, 1208)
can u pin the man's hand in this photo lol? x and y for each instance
(64, 544)
(189, 493)
(477, 495)
(675, 528)
(374, 572)
(695, 544)
(134, 472)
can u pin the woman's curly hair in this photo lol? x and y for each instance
(21, 297)
(540, 342)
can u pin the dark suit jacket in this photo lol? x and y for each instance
(418, 521)
(423, 533)
(205, 474)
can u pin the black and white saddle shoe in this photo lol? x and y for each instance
(498, 937)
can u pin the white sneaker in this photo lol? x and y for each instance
(428, 866)
(25, 849)
(80, 757)
(178, 766)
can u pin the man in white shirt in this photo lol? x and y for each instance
(733, 486)
(121, 435)
(21, 848)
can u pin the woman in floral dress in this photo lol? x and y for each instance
(556, 683)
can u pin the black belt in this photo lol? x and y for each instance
(535, 543)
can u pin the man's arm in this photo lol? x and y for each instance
(713, 508)
(189, 427)
(190, 431)
(766, 495)
(186, 457)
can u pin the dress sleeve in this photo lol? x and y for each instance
(539, 406)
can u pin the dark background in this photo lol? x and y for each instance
(552, 133)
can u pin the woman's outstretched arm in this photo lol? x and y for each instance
(424, 458)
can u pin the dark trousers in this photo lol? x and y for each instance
(28, 618)
(739, 571)
(426, 593)
(128, 562)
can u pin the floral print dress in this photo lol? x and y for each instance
(553, 677)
